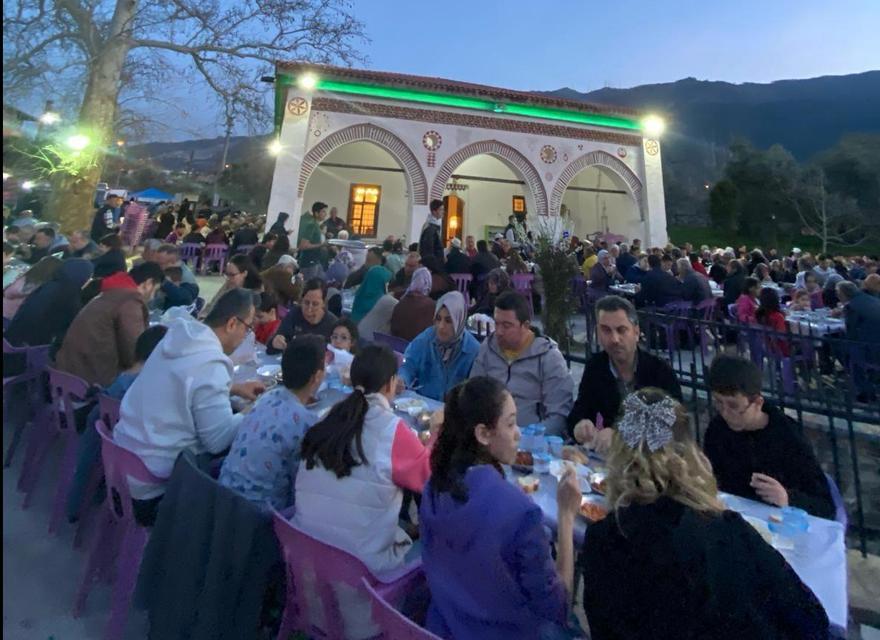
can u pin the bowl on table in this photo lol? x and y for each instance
(593, 508)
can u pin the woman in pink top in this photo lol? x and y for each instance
(747, 304)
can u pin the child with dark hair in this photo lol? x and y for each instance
(90, 441)
(345, 335)
(264, 457)
(267, 318)
(755, 449)
(769, 314)
(746, 304)
(475, 524)
(356, 464)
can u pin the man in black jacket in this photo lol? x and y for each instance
(757, 451)
(106, 219)
(618, 370)
(659, 287)
(694, 286)
(431, 242)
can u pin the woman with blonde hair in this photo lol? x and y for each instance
(669, 561)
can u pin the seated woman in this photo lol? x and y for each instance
(515, 264)
(762, 274)
(485, 550)
(497, 282)
(279, 280)
(441, 356)
(309, 316)
(769, 314)
(415, 311)
(264, 457)
(373, 305)
(15, 294)
(670, 552)
(356, 464)
(747, 304)
(112, 258)
(440, 282)
(240, 273)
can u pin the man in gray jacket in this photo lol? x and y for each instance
(530, 366)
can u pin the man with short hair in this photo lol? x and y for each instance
(695, 286)
(756, 450)
(43, 240)
(181, 292)
(625, 260)
(529, 365)
(100, 341)
(333, 224)
(80, 245)
(431, 242)
(871, 285)
(615, 372)
(403, 277)
(823, 269)
(470, 247)
(374, 258)
(603, 273)
(181, 399)
(106, 218)
(309, 241)
(658, 287)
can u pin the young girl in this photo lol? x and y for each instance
(770, 315)
(356, 464)
(746, 304)
(345, 336)
(800, 301)
(669, 561)
(486, 554)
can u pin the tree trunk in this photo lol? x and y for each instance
(71, 202)
(222, 167)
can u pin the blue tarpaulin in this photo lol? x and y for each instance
(151, 194)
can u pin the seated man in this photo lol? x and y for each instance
(179, 292)
(529, 365)
(756, 450)
(402, 279)
(180, 400)
(615, 372)
(264, 457)
(374, 258)
(659, 287)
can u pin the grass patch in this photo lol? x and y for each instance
(714, 237)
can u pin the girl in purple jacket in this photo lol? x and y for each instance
(485, 553)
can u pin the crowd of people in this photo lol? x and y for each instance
(668, 542)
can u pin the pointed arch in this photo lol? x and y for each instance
(416, 183)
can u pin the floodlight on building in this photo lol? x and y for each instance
(78, 142)
(653, 126)
(50, 118)
(275, 147)
(6, 176)
(307, 81)
(27, 185)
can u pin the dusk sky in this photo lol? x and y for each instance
(586, 45)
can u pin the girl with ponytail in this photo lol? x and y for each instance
(357, 462)
(485, 552)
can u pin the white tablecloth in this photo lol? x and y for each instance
(811, 323)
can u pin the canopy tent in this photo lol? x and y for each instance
(152, 195)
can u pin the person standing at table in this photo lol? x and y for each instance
(441, 356)
(486, 553)
(431, 242)
(669, 561)
(756, 450)
(309, 316)
(181, 399)
(530, 365)
(310, 241)
(264, 457)
(616, 371)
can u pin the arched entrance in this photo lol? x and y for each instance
(600, 193)
(487, 176)
(369, 175)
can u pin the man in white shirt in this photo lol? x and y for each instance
(181, 399)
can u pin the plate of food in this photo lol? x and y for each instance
(598, 483)
(529, 484)
(412, 406)
(574, 454)
(524, 462)
(269, 370)
(593, 508)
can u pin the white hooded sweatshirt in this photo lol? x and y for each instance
(179, 401)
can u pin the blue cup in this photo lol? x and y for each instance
(542, 462)
(554, 445)
(539, 445)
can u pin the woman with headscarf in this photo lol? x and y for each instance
(15, 294)
(48, 311)
(497, 282)
(441, 356)
(373, 305)
(415, 311)
(278, 225)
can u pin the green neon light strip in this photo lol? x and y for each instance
(477, 104)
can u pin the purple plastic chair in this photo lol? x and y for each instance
(120, 541)
(323, 567)
(243, 248)
(190, 252)
(522, 284)
(394, 625)
(65, 390)
(214, 253)
(36, 360)
(676, 321)
(397, 344)
(462, 283)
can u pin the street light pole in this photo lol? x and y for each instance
(121, 144)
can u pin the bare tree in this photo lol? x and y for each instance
(829, 216)
(95, 48)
